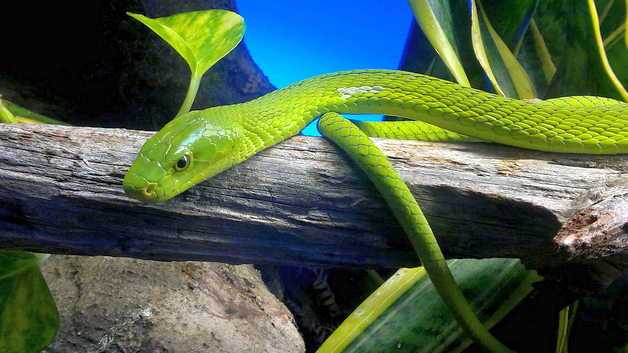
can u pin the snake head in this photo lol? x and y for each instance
(183, 153)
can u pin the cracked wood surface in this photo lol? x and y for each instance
(301, 203)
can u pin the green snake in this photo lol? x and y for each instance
(200, 144)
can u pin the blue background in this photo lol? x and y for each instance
(294, 40)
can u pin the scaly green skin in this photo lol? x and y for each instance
(393, 189)
(215, 139)
(220, 137)
(410, 130)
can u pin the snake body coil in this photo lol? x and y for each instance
(200, 144)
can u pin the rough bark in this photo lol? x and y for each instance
(125, 76)
(301, 203)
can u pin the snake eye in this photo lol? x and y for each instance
(182, 163)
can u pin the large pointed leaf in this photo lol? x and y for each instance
(499, 63)
(435, 19)
(28, 313)
(536, 59)
(419, 56)
(513, 21)
(201, 37)
(568, 31)
(510, 18)
(406, 313)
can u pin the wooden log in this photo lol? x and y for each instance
(301, 203)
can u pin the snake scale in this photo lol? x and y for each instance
(200, 144)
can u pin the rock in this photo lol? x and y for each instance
(103, 68)
(125, 305)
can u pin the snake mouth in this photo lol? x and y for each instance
(140, 189)
(142, 193)
(149, 189)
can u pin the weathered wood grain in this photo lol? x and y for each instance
(301, 203)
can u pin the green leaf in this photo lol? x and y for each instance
(506, 74)
(419, 56)
(513, 21)
(28, 313)
(566, 318)
(568, 29)
(435, 19)
(23, 115)
(535, 57)
(200, 37)
(406, 314)
(6, 116)
(611, 14)
(510, 18)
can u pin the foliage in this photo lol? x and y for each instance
(6, 116)
(406, 314)
(201, 38)
(28, 313)
(558, 51)
(11, 113)
(519, 49)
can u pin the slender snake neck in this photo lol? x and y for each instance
(218, 138)
(572, 124)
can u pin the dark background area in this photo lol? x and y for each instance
(90, 64)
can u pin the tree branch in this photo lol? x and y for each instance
(301, 203)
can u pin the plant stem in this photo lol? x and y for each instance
(195, 81)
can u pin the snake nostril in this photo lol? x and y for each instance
(149, 188)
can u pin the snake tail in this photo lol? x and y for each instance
(402, 203)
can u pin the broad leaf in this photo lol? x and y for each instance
(506, 74)
(435, 19)
(419, 56)
(406, 313)
(510, 18)
(570, 34)
(201, 37)
(28, 313)
(513, 21)
(536, 59)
